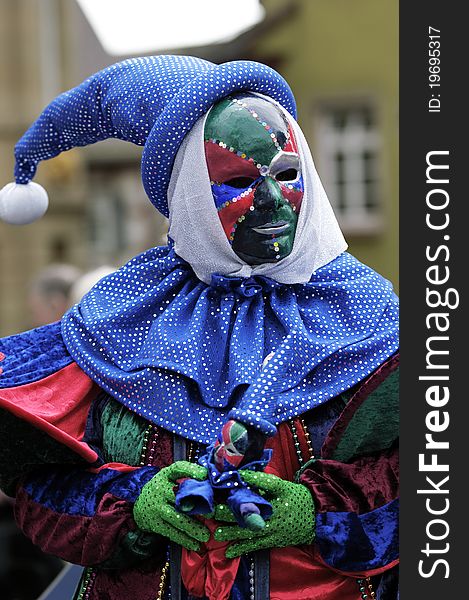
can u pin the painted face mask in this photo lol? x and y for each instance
(255, 172)
(232, 447)
(237, 446)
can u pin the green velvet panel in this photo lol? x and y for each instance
(123, 434)
(375, 425)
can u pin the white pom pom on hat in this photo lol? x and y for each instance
(22, 203)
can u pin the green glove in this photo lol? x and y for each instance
(291, 524)
(154, 509)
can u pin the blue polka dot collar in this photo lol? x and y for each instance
(185, 355)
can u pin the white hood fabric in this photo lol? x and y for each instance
(198, 235)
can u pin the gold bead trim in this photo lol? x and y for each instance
(163, 579)
(296, 441)
(308, 438)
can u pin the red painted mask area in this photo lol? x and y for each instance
(235, 210)
(291, 145)
(224, 165)
(230, 451)
(293, 194)
(223, 455)
(227, 453)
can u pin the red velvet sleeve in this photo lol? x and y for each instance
(80, 515)
(356, 512)
(360, 486)
(355, 485)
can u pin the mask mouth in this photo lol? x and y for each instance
(272, 228)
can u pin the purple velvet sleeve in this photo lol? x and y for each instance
(79, 515)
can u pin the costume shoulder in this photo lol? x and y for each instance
(32, 355)
(45, 399)
(370, 420)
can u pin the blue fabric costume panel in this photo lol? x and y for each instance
(32, 355)
(352, 542)
(77, 492)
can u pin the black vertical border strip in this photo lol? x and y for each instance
(421, 132)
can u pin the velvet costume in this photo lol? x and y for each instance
(102, 394)
(84, 514)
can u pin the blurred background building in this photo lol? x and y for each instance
(339, 56)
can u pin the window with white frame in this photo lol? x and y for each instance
(348, 147)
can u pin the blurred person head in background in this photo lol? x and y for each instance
(87, 281)
(58, 287)
(49, 296)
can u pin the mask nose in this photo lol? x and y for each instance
(267, 195)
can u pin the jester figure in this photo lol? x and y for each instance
(254, 312)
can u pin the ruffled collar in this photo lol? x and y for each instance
(185, 354)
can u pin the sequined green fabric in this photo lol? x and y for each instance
(154, 509)
(292, 522)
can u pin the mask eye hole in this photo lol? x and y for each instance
(287, 175)
(239, 182)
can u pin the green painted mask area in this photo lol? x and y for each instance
(238, 128)
(238, 433)
(272, 192)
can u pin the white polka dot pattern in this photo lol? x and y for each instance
(151, 101)
(184, 354)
